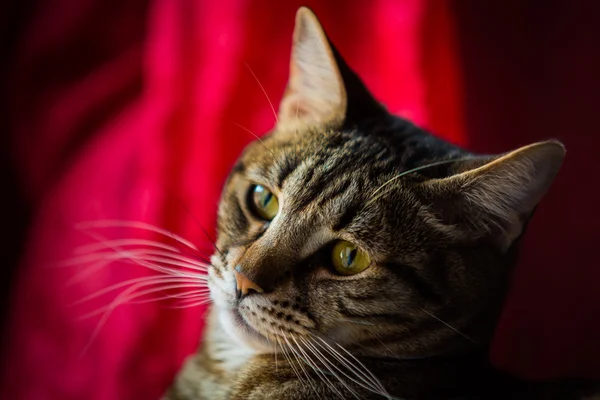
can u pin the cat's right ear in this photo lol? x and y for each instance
(321, 89)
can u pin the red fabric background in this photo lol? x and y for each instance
(128, 110)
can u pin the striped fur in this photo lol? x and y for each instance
(442, 241)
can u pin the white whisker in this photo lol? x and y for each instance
(306, 358)
(322, 374)
(136, 225)
(400, 175)
(144, 255)
(108, 310)
(330, 366)
(168, 261)
(448, 325)
(367, 377)
(127, 255)
(192, 304)
(191, 296)
(300, 366)
(148, 280)
(264, 91)
(92, 247)
(89, 270)
(299, 358)
(127, 295)
(289, 359)
(106, 258)
(256, 136)
(274, 354)
(87, 258)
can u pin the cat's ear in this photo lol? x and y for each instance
(321, 89)
(495, 196)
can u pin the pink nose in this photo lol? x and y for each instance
(244, 285)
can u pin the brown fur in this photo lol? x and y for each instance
(441, 239)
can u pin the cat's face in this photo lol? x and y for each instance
(321, 236)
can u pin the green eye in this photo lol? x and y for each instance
(265, 203)
(348, 259)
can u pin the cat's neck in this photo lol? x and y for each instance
(221, 348)
(221, 360)
(223, 356)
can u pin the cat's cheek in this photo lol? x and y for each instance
(221, 289)
(246, 341)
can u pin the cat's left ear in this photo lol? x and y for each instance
(493, 197)
(322, 90)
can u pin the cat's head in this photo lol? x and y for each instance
(350, 224)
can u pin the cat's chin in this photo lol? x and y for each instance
(234, 324)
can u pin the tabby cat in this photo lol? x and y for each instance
(358, 255)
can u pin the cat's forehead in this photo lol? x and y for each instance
(332, 175)
(320, 157)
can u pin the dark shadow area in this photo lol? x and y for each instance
(15, 210)
(532, 72)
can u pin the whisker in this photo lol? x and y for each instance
(374, 198)
(264, 91)
(367, 383)
(365, 371)
(190, 304)
(448, 325)
(306, 358)
(136, 225)
(147, 279)
(256, 136)
(128, 295)
(288, 357)
(199, 225)
(90, 248)
(297, 119)
(169, 271)
(323, 376)
(149, 262)
(146, 257)
(88, 271)
(154, 248)
(140, 254)
(87, 258)
(308, 379)
(274, 354)
(103, 259)
(328, 364)
(166, 260)
(193, 295)
(273, 345)
(140, 261)
(108, 310)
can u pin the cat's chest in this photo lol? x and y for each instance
(227, 355)
(211, 372)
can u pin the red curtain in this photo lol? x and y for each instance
(132, 111)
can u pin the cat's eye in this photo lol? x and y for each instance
(264, 202)
(349, 259)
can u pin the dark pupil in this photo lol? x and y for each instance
(351, 257)
(266, 198)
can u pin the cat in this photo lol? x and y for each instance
(359, 256)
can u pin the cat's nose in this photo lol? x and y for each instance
(244, 284)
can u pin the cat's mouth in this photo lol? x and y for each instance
(242, 331)
(244, 325)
